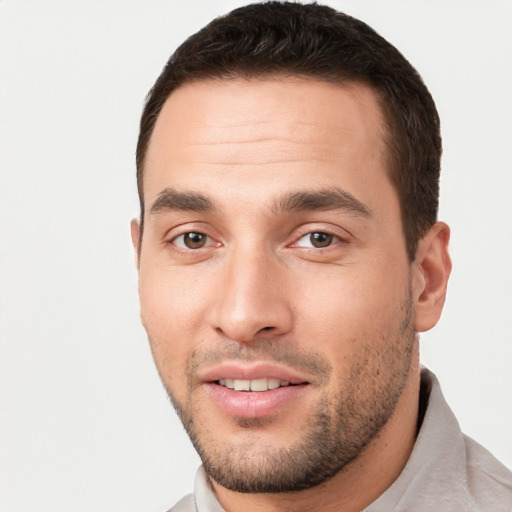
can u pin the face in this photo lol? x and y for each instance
(274, 282)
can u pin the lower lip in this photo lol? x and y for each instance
(253, 404)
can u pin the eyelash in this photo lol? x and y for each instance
(209, 242)
(336, 239)
(184, 248)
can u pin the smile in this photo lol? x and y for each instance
(254, 389)
(263, 384)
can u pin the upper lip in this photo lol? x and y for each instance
(251, 371)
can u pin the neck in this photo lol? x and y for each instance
(359, 483)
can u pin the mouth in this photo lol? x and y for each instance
(257, 385)
(253, 390)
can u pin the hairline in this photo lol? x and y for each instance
(391, 164)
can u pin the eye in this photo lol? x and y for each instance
(192, 240)
(317, 240)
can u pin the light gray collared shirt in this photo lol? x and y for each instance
(446, 472)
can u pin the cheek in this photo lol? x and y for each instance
(343, 312)
(171, 313)
(171, 299)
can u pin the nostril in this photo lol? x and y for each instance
(266, 328)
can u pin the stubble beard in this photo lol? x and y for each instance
(338, 428)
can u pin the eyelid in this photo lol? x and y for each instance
(336, 239)
(191, 227)
(341, 234)
(183, 247)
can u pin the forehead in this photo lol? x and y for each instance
(287, 128)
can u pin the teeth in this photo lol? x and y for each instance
(259, 385)
(242, 385)
(273, 383)
(253, 385)
(229, 383)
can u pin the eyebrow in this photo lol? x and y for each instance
(334, 198)
(321, 200)
(170, 199)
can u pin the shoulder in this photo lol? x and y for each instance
(489, 481)
(186, 504)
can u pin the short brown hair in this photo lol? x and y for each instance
(317, 41)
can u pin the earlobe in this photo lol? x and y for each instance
(431, 271)
(135, 231)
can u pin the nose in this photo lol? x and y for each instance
(252, 300)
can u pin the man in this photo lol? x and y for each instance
(289, 254)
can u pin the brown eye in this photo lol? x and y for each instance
(191, 240)
(320, 239)
(317, 240)
(194, 240)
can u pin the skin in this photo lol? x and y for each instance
(259, 290)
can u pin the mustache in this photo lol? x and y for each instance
(271, 351)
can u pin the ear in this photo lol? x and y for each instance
(135, 231)
(431, 271)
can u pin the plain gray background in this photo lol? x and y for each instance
(84, 422)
